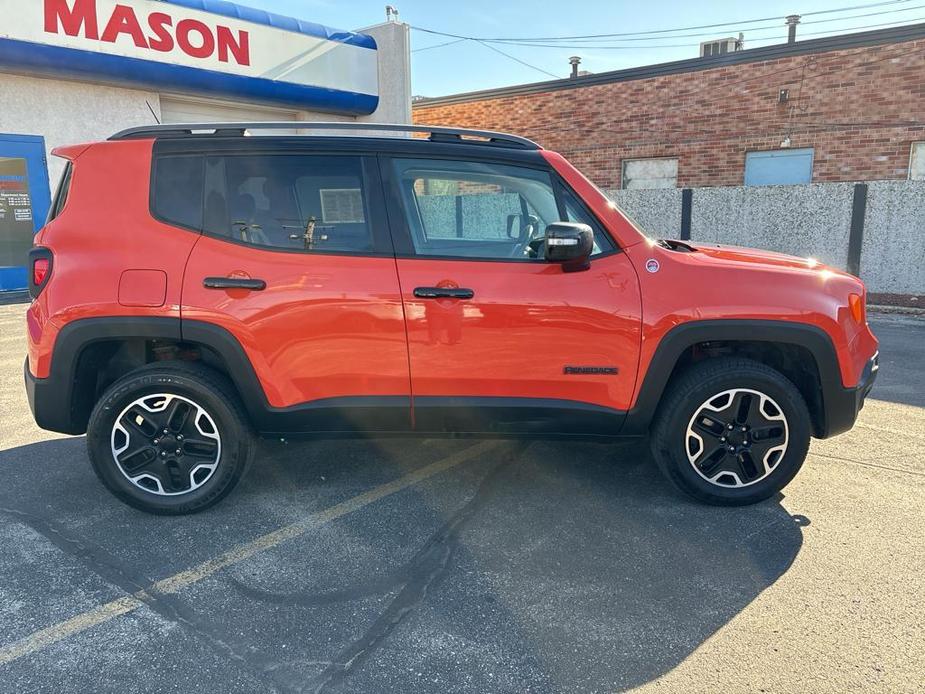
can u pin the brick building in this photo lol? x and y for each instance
(843, 108)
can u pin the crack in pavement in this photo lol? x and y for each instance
(866, 464)
(369, 589)
(159, 595)
(424, 572)
(105, 565)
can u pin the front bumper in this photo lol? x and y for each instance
(842, 405)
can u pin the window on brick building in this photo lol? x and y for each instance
(917, 162)
(779, 167)
(650, 173)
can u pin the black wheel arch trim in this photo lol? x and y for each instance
(53, 399)
(56, 406)
(839, 404)
(345, 415)
(54, 403)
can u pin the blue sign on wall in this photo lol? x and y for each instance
(24, 203)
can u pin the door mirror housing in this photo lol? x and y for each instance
(569, 244)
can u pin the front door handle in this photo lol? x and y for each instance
(443, 293)
(234, 283)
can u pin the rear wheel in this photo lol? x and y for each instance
(731, 432)
(170, 439)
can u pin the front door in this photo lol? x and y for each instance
(296, 263)
(499, 339)
(24, 203)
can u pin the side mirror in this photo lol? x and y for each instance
(569, 244)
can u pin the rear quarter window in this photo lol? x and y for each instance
(178, 189)
(64, 187)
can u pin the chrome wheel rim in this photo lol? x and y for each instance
(737, 438)
(166, 444)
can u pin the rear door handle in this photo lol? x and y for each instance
(234, 283)
(443, 293)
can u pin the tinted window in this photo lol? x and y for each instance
(296, 202)
(481, 210)
(474, 209)
(178, 190)
(64, 187)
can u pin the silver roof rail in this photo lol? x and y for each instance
(437, 133)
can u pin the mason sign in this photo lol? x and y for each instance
(201, 47)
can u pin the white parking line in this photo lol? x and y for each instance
(173, 584)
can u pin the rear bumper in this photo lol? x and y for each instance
(842, 405)
(50, 403)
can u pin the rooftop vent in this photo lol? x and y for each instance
(730, 44)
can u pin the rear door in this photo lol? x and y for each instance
(296, 263)
(499, 339)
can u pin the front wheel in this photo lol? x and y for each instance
(731, 432)
(170, 439)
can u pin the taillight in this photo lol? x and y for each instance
(856, 304)
(40, 266)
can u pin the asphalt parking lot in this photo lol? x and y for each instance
(466, 566)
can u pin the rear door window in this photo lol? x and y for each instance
(294, 202)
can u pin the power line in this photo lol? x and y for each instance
(750, 39)
(439, 45)
(842, 30)
(691, 45)
(656, 31)
(713, 33)
(518, 60)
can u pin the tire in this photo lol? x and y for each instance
(208, 448)
(770, 431)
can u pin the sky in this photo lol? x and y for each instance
(468, 65)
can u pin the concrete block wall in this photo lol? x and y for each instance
(893, 252)
(806, 221)
(657, 211)
(483, 214)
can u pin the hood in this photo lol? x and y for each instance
(758, 256)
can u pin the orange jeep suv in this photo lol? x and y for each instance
(195, 287)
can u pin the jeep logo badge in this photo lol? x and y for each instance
(652, 265)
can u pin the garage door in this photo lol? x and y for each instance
(185, 111)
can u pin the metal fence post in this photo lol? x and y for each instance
(856, 237)
(687, 205)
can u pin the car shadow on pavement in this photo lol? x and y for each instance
(541, 566)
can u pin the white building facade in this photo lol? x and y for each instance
(75, 71)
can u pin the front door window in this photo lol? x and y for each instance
(476, 210)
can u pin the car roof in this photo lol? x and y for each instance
(435, 133)
(361, 138)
